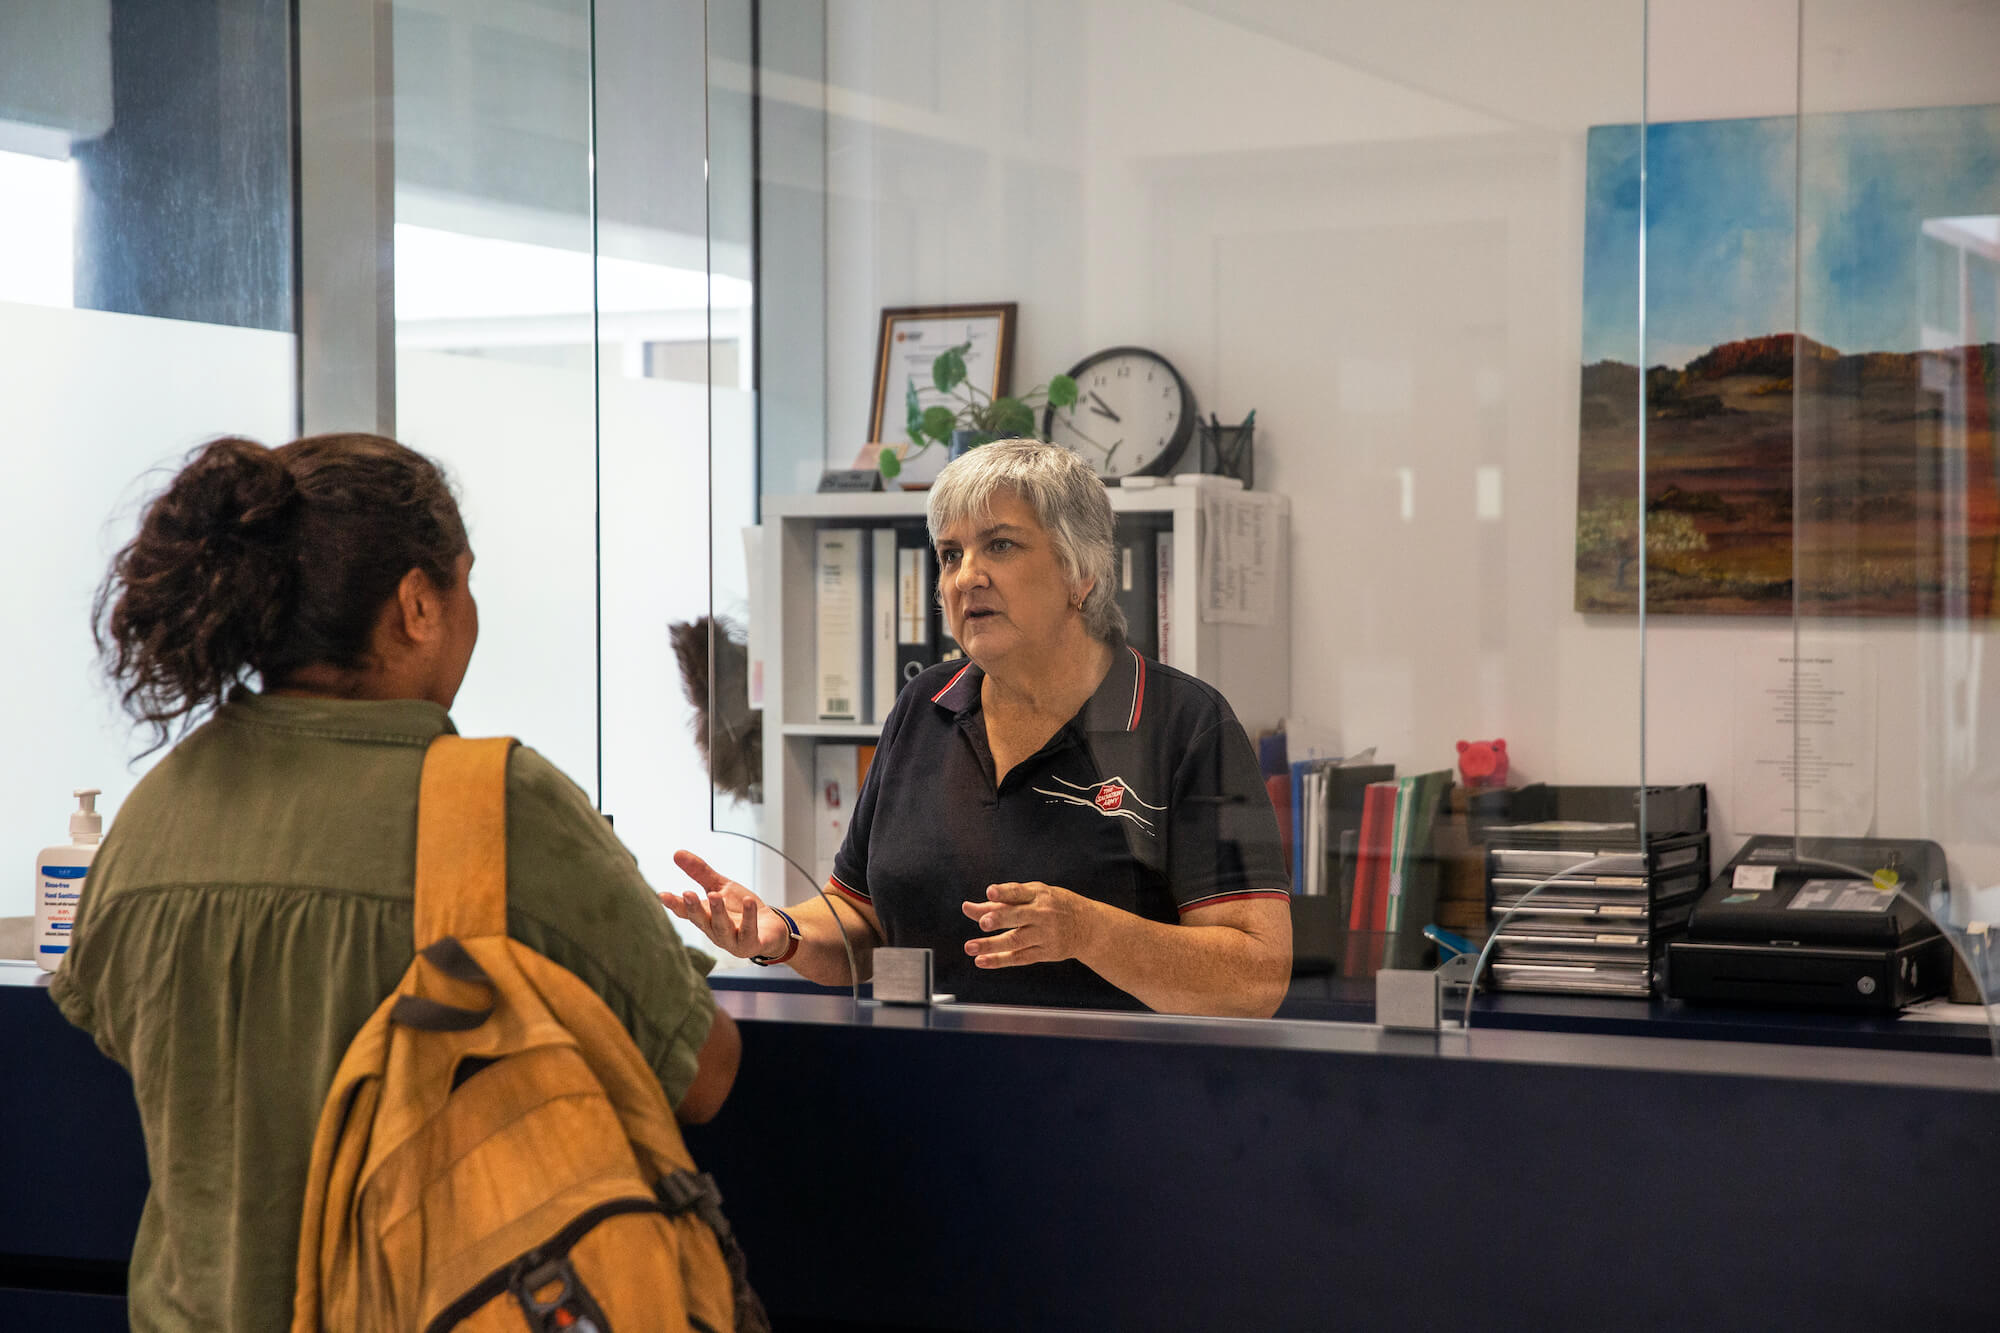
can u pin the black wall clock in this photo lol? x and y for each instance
(1133, 417)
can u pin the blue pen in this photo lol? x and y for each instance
(1444, 939)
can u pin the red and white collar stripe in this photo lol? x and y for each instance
(1138, 688)
(953, 681)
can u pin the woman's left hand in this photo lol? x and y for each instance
(1037, 923)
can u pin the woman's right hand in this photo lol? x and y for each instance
(734, 919)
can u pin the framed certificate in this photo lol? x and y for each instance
(910, 340)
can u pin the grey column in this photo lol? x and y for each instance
(347, 213)
(184, 206)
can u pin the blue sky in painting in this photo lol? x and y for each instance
(1720, 226)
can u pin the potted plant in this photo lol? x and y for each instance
(975, 417)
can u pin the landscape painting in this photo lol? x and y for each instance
(1831, 454)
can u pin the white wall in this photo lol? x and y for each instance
(90, 405)
(1364, 221)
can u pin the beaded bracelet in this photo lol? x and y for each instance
(790, 949)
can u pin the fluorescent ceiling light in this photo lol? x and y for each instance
(37, 230)
(450, 275)
(1979, 233)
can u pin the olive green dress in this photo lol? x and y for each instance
(251, 907)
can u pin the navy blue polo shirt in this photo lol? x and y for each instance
(1149, 799)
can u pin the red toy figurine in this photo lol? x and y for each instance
(1483, 764)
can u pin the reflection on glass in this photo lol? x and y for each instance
(495, 362)
(37, 235)
(739, 753)
(1898, 526)
(675, 351)
(558, 329)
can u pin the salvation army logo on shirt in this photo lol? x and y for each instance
(1111, 798)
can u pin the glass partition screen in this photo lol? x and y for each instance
(146, 306)
(1339, 309)
(1896, 524)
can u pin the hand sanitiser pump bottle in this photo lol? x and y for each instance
(59, 873)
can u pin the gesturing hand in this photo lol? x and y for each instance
(729, 914)
(1037, 923)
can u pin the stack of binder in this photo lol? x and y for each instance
(876, 618)
(878, 625)
(1598, 901)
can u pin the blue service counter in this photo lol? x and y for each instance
(972, 1168)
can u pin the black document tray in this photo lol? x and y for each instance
(1537, 816)
(1749, 946)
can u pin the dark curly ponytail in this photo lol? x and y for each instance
(259, 561)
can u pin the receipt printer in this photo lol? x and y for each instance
(1817, 923)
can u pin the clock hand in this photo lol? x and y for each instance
(1069, 424)
(1109, 452)
(1101, 407)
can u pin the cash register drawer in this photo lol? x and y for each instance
(1870, 980)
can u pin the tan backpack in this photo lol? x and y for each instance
(495, 1153)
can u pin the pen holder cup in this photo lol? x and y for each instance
(1229, 451)
(1980, 984)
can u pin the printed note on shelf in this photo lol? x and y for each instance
(1242, 541)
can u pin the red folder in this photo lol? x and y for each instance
(1279, 785)
(1385, 888)
(1371, 864)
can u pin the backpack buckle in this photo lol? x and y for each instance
(681, 1191)
(567, 1309)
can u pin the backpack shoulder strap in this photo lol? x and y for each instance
(462, 839)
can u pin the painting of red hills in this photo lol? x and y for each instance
(1847, 469)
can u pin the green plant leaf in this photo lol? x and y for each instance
(938, 423)
(913, 414)
(889, 464)
(1012, 417)
(948, 371)
(1062, 391)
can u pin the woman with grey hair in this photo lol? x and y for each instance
(1060, 820)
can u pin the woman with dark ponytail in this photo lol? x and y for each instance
(301, 618)
(275, 563)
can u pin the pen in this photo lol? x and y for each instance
(1447, 941)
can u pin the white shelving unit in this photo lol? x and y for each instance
(1250, 664)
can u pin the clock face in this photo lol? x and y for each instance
(1133, 415)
